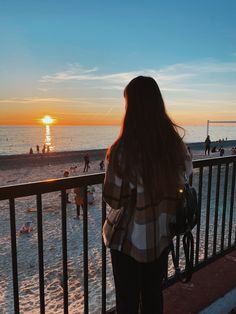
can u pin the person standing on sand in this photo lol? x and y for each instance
(207, 145)
(101, 164)
(48, 148)
(37, 149)
(79, 200)
(190, 152)
(145, 168)
(66, 175)
(86, 163)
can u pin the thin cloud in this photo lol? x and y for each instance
(179, 77)
(108, 111)
(183, 78)
(110, 87)
(194, 84)
(75, 100)
(41, 89)
(30, 100)
(77, 74)
(79, 67)
(194, 68)
(177, 89)
(86, 76)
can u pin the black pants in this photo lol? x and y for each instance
(138, 285)
(207, 150)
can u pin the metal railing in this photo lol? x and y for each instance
(215, 233)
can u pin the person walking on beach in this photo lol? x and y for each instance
(37, 149)
(207, 145)
(145, 169)
(79, 200)
(86, 163)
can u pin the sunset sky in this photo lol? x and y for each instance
(72, 59)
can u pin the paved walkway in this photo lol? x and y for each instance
(207, 285)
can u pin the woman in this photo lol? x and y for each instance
(145, 169)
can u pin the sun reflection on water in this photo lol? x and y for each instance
(48, 137)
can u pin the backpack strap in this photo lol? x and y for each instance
(188, 245)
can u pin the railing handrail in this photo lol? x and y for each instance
(53, 185)
(213, 161)
(50, 185)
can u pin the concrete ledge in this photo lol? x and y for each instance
(222, 305)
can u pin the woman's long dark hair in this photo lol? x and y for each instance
(149, 143)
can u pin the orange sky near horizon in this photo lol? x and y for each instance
(33, 119)
(96, 99)
(110, 111)
(90, 119)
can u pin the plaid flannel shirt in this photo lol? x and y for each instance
(148, 230)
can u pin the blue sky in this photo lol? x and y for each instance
(72, 59)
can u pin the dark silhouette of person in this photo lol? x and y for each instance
(214, 149)
(66, 175)
(44, 149)
(207, 145)
(86, 163)
(101, 165)
(31, 151)
(190, 152)
(37, 148)
(79, 199)
(222, 151)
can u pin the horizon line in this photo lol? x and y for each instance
(90, 124)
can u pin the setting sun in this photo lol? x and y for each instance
(47, 120)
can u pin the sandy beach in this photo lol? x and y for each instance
(26, 168)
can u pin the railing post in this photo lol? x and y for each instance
(208, 212)
(199, 214)
(40, 253)
(14, 255)
(224, 206)
(103, 261)
(216, 209)
(231, 204)
(85, 245)
(64, 250)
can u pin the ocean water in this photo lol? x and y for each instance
(19, 139)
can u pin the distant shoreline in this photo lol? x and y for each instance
(200, 145)
(35, 160)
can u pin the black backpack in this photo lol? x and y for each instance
(186, 220)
